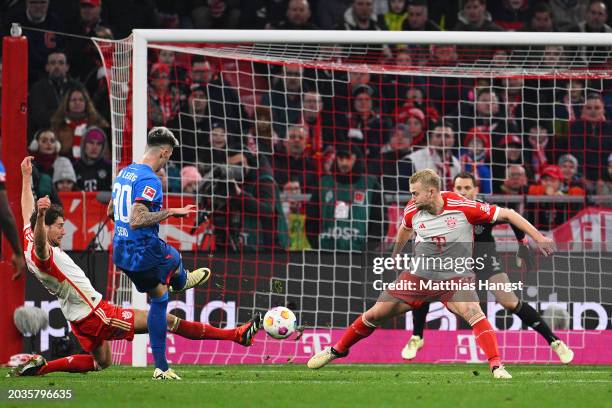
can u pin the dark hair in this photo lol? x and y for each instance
(466, 175)
(418, 3)
(52, 214)
(161, 136)
(542, 8)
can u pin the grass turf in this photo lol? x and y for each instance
(408, 385)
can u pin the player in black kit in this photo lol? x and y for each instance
(484, 246)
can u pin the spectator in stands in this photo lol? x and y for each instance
(262, 138)
(567, 13)
(394, 164)
(8, 228)
(537, 150)
(83, 53)
(46, 94)
(297, 17)
(594, 21)
(285, 98)
(571, 177)
(164, 101)
(217, 14)
(347, 212)
(438, 155)
(367, 128)
(94, 172)
(475, 17)
(511, 96)
(178, 76)
(509, 152)
(73, 116)
(485, 112)
(475, 158)
(360, 16)
(542, 19)
(223, 100)
(263, 14)
(548, 215)
(395, 17)
(604, 185)
(64, 177)
(569, 106)
(40, 43)
(418, 17)
(190, 179)
(293, 164)
(515, 182)
(415, 120)
(45, 148)
(590, 139)
(510, 15)
(322, 132)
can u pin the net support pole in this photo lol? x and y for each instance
(139, 131)
(14, 127)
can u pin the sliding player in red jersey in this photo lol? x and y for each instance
(443, 223)
(93, 320)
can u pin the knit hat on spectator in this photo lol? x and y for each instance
(63, 170)
(93, 133)
(190, 174)
(479, 133)
(363, 88)
(160, 68)
(568, 157)
(552, 171)
(93, 3)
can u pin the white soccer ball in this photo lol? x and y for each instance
(279, 322)
(556, 317)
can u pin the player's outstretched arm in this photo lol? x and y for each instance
(141, 217)
(41, 246)
(545, 245)
(404, 234)
(27, 197)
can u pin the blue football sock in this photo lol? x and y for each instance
(156, 321)
(179, 278)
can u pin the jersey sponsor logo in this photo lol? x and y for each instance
(451, 222)
(149, 193)
(359, 197)
(126, 314)
(485, 208)
(422, 225)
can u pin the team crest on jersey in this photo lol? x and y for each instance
(485, 208)
(126, 314)
(329, 196)
(478, 229)
(102, 173)
(451, 222)
(359, 197)
(149, 193)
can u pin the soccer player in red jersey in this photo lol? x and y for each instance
(443, 223)
(93, 320)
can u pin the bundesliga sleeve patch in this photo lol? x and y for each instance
(149, 193)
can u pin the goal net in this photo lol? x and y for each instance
(298, 155)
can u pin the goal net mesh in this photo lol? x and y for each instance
(298, 157)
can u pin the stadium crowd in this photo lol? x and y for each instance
(337, 146)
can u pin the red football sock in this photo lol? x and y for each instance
(356, 331)
(202, 331)
(485, 337)
(79, 363)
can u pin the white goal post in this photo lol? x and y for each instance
(142, 39)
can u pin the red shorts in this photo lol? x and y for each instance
(419, 295)
(106, 322)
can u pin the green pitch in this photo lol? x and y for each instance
(407, 386)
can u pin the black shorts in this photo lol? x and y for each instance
(492, 265)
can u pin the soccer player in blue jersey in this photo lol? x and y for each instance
(151, 264)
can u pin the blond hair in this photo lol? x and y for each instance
(427, 177)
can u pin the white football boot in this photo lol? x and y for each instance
(412, 347)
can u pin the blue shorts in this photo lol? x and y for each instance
(160, 273)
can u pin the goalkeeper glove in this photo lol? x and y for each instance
(525, 256)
